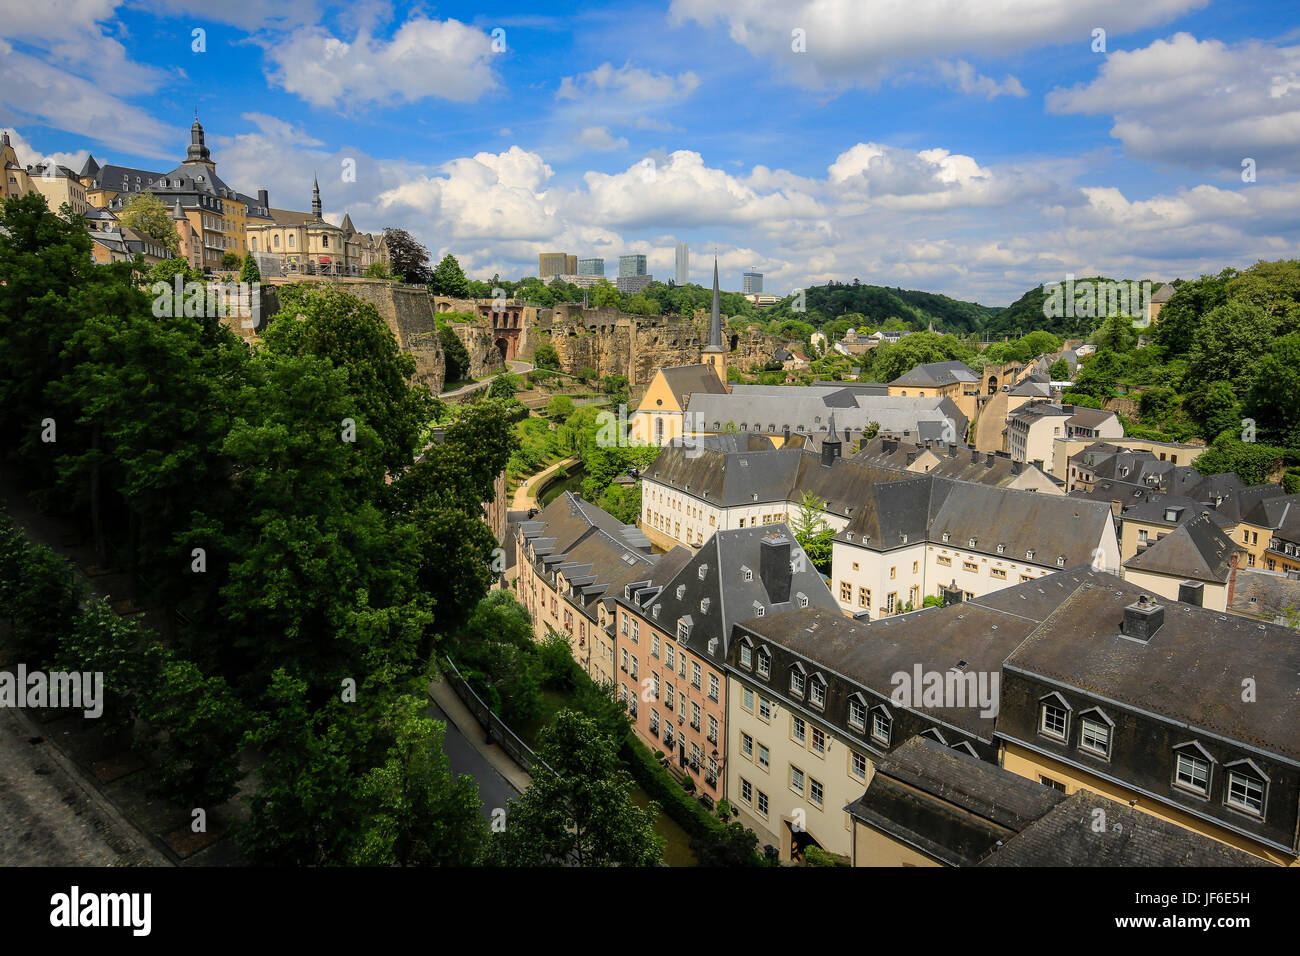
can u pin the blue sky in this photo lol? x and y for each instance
(974, 149)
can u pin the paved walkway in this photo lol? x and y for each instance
(524, 497)
(513, 368)
(458, 716)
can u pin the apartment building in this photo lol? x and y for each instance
(910, 538)
(952, 380)
(1195, 563)
(1080, 461)
(959, 461)
(673, 639)
(1033, 429)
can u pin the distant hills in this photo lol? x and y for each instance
(874, 306)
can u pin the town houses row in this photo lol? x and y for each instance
(1043, 673)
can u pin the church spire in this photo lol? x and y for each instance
(714, 354)
(315, 197)
(198, 151)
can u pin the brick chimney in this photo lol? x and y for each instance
(1143, 619)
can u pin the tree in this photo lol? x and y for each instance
(407, 258)
(197, 726)
(1274, 398)
(249, 272)
(587, 375)
(378, 270)
(546, 356)
(559, 407)
(496, 652)
(603, 295)
(146, 214)
(448, 279)
(502, 388)
(1060, 371)
(1116, 334)
(416, 812)
(812, 532)
(579, 809)
(454, 355)
(230, 261)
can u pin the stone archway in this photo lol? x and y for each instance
(503, 346)
(993, 384)
(735, 341)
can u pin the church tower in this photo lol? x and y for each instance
(315, 197)
(714, 354)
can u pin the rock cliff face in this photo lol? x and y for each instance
(614, 343)
(408, 310)
(484, 356)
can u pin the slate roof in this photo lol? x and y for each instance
(731, 598)
(560, 524)
(1196, 549)
(807, 409)
(1164, 293)
(937, 374)
(289, 217)
(1264, 593)
(599, 565)
(682, 380)
(962, 462)
(924, 508)
(112, 176)
(1065, 837)
(948, 804)
(1189, 672)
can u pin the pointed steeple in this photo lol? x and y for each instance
(315, 196)
(198, 151)
(715, 317)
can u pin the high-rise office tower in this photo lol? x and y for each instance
(633, 265)
(591, 267)
(753, 282)
(683, 264)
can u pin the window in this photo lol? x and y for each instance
(625, 624)
(818, 740)
(764, 662)
(654, 722)
(764, 757)
(817, 692)
(1094, 736)
(846, 592)
(796, 683)
(1192, 773)
(1053, 721)
(634, 669)
(713, 688)
(1049, 782)
(696, 675)
(695, 716)
(683, 630)
(1245, 792)
(713, 729)
(654, 685)
(864, 598)
(746, 654)
(796, 780)
(881, 723)
(669, 656)
(857, 713)
(762, 803)
(857, 765)
(654, 645)
(815, 792)
(893, 573)
(916, 566)
(747, 700)
(944, 561)
(997, 573)
(764, 708)
(624, 659)
(636, 632)
(668, 695)
(969, 566)
(746, 790)
(747, 745)
(798, 731)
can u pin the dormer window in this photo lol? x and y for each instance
(704, 569)
(764, 662)
(1029, 555)
(1192, 766)
(1053, 716)
(882, 724)
(971, 543)
(1094, 732)
(1247, 787)
(797, 680)
(857, 712)
(1060, 560)
(801, 599)
(1002, 548)
(683, 628)
(746, 574)
(704, 605)
(681, 591)
(746, 653)
(817, 691)
(946, 536)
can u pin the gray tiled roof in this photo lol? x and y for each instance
(1066, 837)
(1264, 593)
(936, 374)
(808, 409)
(731, 597)
(1196, 549)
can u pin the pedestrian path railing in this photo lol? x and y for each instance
(497, 730)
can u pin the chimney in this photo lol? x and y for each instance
(1143, 619)
(1038, 463)
(774, 567)
(264, 199)
(831, 444)
(1017, 467)
(974, 455)
(952, 449)
(785, 436)
(1192, 592)
(952, 594)
(889, 446)
(988, 460)
(912, 456)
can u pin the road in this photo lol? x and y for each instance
(515, 368)
(493, 789)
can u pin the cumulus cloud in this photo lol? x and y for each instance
(851, 43)
(961, 76)
(1198, 103)
(443, 59)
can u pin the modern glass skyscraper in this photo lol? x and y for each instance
(683, 264)
(633, 265)
(753, 282)
(591, 267)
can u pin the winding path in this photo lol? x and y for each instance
(524, 497)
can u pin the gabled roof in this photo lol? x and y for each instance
(683, 380)
(951, 806)
(1164, 293)
(1196, 549)
(937, 374)
(1066, 837)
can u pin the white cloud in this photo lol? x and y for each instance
(631, 84)
(1201, 104)
(29, 155)
(855, 43)
(425, 58)
(599, 138)
(961, 76)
